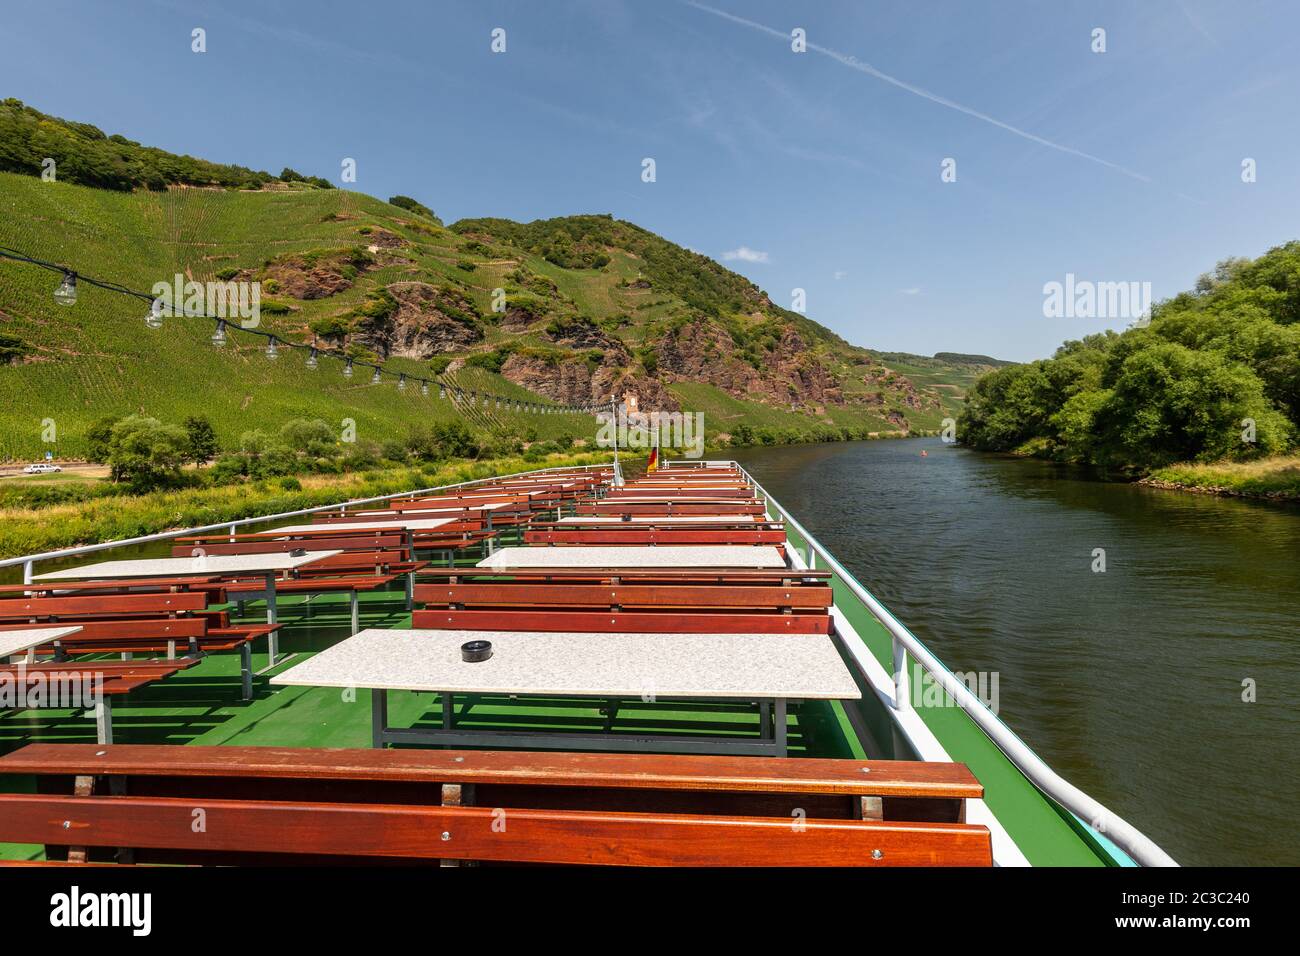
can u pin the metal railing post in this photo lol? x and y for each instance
(902, 686)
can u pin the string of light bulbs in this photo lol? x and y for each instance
(66, 294)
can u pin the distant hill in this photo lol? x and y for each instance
(565, 310)
(950, 374)
(84, 154)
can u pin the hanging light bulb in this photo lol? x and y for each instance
(442, 390)
(498, 403)
(219, 336)
(374, 379)
(155, 316)
(66, 293)
(272, 352)
(347, 369)
(312, 360)
(401, 382)
(424, 389)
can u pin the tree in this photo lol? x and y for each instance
(201, 439)
(98, 438)
(145, 453)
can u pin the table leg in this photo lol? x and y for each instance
(104, 719)
(779, 729)
(272, 640)
(378, 716)
(354, 606)
(410, 590)
(246, 668)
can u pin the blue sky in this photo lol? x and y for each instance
(825, 165)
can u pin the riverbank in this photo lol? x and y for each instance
(1274, 479)
(26, 530)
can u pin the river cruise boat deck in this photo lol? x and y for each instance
(567, 666)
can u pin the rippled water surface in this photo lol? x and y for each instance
(1129, 681)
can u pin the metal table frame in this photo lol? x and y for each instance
(773, 740)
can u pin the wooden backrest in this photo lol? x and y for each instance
(607, 507)
(98, 605)
(355, 560)
(634, 535)
(681, 492)
(369, 541)
(561, 594)
(284, 805)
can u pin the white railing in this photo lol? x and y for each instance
(1123, 834)
(28, 561)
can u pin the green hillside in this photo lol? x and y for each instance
(98, 357)
(564, 311)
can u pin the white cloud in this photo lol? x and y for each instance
(840, 274)
(745, 254)
(912, 291)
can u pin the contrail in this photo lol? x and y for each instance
(856, 64)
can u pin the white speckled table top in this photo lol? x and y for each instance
(617, 556)
(177, 567)
(790, 666)
(414, 524)
(15, 642)
(663, 519)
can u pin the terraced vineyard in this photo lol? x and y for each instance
(99, 356)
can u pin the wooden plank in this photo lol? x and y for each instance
(529, 836)
(127, 603)
(900, 778)
(607, 622)
(817, 596)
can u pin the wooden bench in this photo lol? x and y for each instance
(80, 684)
(612, 534)
(136, 803)
(127, 622)
(606, 506)
(349, 572)
(738, 492)
(684, 603)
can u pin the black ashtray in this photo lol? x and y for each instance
(627, 517)
(474, 651)
(298, 553)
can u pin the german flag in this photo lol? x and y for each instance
(653, 464)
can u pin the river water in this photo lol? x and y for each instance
(1130, 680)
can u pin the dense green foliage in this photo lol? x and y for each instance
(1215, 375)
(84, 154)
(145, 454)
(411, 205)
(200, 440)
